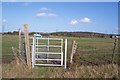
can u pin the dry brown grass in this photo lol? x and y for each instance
(20, 70)
(13, 70)
(104, 71)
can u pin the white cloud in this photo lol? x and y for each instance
(51, 14)
(45, 14)
(12, 1)
(41, 14)
(4, 20)
(85, 20)
(74, 22)
(44, 8)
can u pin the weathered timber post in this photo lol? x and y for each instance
(113, 55)
(27, 45)
(19, 41)
(74, 47)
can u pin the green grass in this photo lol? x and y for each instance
(94, 50)
(8, 41)
(95, 47)
(86, 45)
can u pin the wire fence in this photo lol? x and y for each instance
(89, 50)
(97, 52)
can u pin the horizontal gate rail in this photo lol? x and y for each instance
(49, 45)
(48, 65)
(50, 59)
(47, 53)
(51, 38)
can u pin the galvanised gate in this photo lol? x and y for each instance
(49, 52)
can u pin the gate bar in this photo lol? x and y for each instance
(65, 65)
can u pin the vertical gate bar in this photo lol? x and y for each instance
(61, 58)
(61, 45)
(37, 46)
(65, 65)
(48, 49)
(61, 52)
(33, 52)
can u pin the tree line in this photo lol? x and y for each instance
(82, 34)
(69, 34)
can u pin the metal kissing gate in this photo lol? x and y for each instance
(49, 52)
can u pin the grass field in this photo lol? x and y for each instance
(92, 60)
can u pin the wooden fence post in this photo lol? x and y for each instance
(27, 45)
(19, 42)
(74, 47)
(113, 55)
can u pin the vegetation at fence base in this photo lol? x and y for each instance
(91, 72)
(74, 71)
(93, 60)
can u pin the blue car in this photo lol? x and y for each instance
(38, 35)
